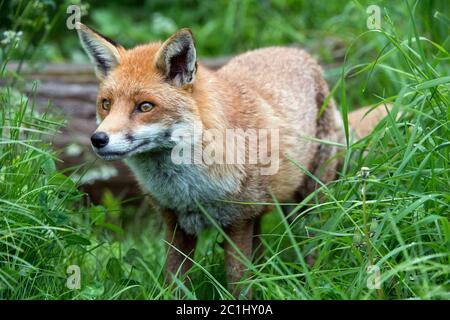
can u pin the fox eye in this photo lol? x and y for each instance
(145, 106)
(106, 104)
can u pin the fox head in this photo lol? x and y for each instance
(145, 93)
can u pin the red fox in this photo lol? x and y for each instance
(152, 95)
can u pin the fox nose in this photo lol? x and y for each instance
(99, 139)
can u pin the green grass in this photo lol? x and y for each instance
(396, 218)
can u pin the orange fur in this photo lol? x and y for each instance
(271, 88)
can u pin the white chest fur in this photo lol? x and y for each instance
(181, 187)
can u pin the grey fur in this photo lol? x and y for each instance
(182, 187)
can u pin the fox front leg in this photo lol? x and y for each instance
(181, 247)
(241, 235)
(258, 247)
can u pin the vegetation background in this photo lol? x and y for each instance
(392, 221)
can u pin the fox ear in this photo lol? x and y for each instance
(102, 51)
(177, 59)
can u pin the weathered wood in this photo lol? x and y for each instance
(72, 89)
